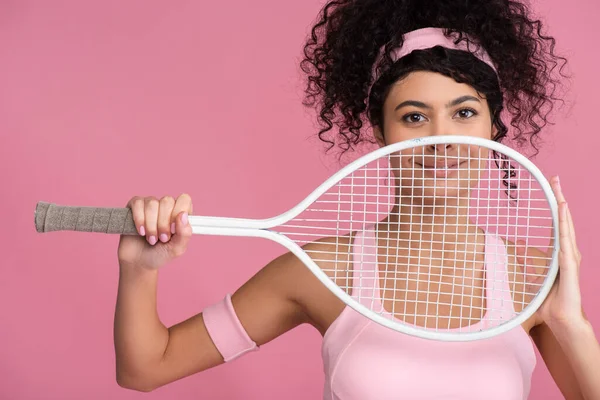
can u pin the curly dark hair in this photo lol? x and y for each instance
(345, 43)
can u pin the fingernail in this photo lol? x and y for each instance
(173, 228)
(142, 231)
(163, 237)
(184, 218)
(558, 182)
(152, 240)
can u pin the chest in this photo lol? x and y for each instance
(429, 288)
(380, 364)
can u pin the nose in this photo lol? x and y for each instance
(440, 148)
(440, 128)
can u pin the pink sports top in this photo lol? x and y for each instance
(363, 360)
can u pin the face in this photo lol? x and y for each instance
(429, 104)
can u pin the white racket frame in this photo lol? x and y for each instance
(262, 228)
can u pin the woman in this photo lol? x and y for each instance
(388, 63)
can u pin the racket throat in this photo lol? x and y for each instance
(230, 226)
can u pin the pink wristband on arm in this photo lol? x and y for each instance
(226, 330)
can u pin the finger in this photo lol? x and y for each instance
(560, 198)
(182, 204)
(151, 215)
(136, 204)
(564, 230)
(521, 255)
(165, 208)
(557, 189)
(567, 259)
(183, 229)
(568, 263)
(573, 238)
(572, 229)
(533, 265)
(520, 252)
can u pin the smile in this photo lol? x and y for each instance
(440, 169)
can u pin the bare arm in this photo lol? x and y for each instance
(150, 355)
(573, 359)
(564, 336)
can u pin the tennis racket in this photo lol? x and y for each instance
(448, 238)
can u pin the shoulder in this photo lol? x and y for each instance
(286, 282)
(332, 255)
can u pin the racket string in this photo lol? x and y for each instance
(438, 208)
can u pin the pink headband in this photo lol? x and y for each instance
(430, 37)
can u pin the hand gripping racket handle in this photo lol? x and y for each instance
(51, 217)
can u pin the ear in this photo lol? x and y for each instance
(379, 136)
(494, 131)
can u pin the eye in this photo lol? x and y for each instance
(413, 118)
(465, 113)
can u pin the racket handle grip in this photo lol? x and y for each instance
(51, 217)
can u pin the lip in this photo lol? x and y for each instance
(441, 165)
(441, 170)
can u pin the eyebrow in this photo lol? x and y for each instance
(420, 104)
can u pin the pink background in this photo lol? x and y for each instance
(100, 101)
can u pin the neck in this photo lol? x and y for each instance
(444, 219)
